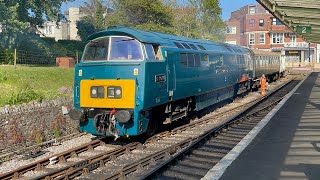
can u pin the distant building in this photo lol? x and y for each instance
(253, 26)
(66, 30)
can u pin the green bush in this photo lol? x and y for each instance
(24, 94)
(56, 132)
(6, 56)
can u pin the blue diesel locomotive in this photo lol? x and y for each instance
(130, 82)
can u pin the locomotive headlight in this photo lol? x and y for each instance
(114, 92)
(118, 92)
(94, 91)
(97, 92)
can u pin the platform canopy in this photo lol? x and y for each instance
(302, 16)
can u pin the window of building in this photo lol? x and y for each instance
(251, 39)
(252, 10)
(231, 30)
(262, 38)
(277, 38)
(293, 38)
(275, 21)
(251, 22)
(51, 30)
(261, 23)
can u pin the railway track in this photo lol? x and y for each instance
(194, 161)
(104, 161)
(34, 150)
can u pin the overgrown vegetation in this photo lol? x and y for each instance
(25, 84)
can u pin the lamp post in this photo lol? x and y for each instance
(309, 52)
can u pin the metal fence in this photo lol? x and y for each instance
(39, 58)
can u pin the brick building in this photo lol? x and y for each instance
(253, 26)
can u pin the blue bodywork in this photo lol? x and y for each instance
(210, 74)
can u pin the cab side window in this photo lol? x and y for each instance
(153, 52)
(150, 52)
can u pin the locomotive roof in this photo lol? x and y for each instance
(164, 39)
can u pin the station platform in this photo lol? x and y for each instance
(287, 147)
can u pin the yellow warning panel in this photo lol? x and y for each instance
(127, 99)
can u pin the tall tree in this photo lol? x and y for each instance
(185, 21)
(200, 19)
(211, 25)
(143, 14)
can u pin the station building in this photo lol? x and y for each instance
(253, 26)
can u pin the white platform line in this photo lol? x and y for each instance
(217, 171)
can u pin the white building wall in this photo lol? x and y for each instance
(74, 16)
(65, 30)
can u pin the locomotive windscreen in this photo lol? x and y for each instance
(120, 48)
(97, 50)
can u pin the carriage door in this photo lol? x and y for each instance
(171, 73)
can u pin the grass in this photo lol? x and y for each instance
(25, 84)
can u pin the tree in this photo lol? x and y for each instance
(143, 14)
(211, 25)
(20, 16)
(95, 17)
(200, 19)
(185, 22)
(95, 12)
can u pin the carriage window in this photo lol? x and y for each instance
(197, 60)
(124, 48)
(97, 50)
(190, 60)
(150, 52)
(238, 59)
(184, 59)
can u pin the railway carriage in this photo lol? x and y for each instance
(130, 82)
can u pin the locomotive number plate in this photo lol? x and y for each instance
(160, 78)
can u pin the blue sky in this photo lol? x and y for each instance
(227, 6)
